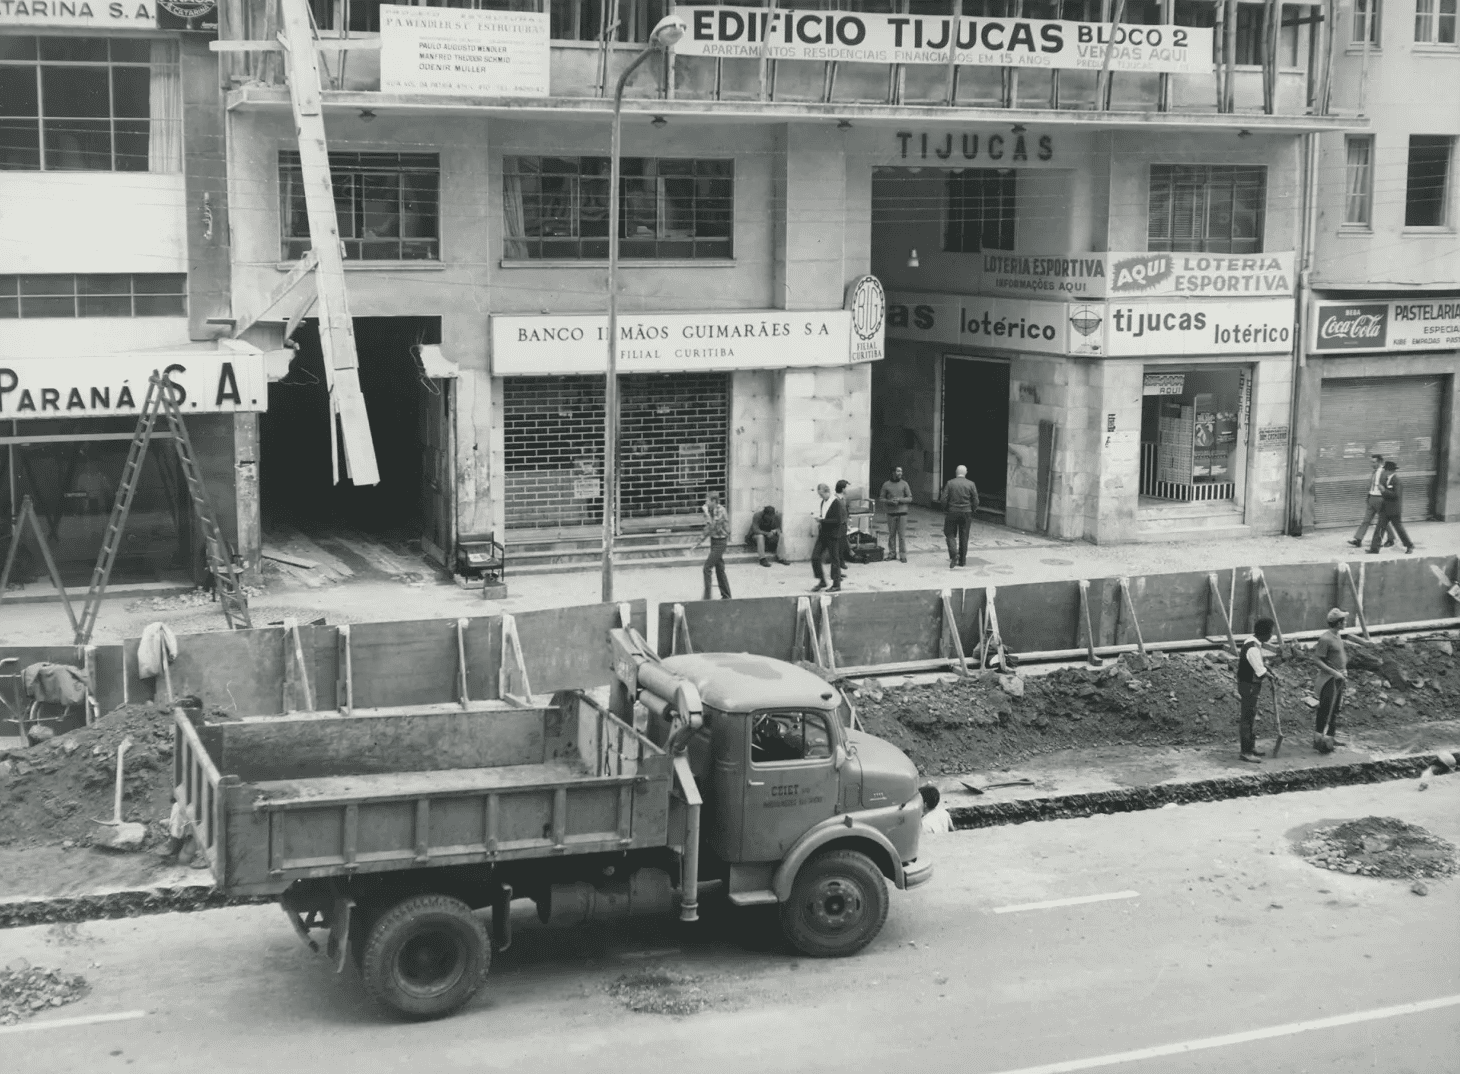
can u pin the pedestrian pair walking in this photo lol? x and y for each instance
(1385, 504)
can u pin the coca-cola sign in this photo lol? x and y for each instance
(1361, 327)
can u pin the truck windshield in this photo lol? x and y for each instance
(789, 736)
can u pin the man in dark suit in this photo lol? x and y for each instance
(831, 525)
(1393, 494)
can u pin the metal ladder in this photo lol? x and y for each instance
(230, 594)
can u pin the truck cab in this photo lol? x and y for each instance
(799, 809)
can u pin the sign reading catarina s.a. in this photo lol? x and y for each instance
(863, 37)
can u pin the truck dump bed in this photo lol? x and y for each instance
(278, 799)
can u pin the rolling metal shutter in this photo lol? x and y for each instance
(1397, 417)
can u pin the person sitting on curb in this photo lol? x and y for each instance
(765, 536)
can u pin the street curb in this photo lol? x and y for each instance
(1136, 799)
(192, 897)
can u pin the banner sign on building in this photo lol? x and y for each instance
(463, 51)
(115, 385)
(675, 342)
(861, 37)
(1386, 326)
(1130, 274)
(82, 14)
(1169, 327)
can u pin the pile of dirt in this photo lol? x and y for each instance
(1380, 846)
(660, 991)
(989, 721)
(50, 793)
(26, 990)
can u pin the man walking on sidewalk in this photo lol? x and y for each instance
(1331, 659)
(960, 501)
(831, 520)
(1393, 496)
(896, 494)
(717, 532)
(1252, 676)
(1373, 506)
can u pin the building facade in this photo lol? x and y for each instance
(1378, 374)
(99, 165)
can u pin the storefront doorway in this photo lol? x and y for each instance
(409, 423)
(976, 424)
(1194, 434)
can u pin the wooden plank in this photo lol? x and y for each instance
(1403, 590)
(1172, 607)
(1301, 594)
(567, 648)
(885, 628)
(765, 626)
(240, 671)
(1037, 615)
(403, 663)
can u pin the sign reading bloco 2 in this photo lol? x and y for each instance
(116, 385)
(688, 342)
(1386, 326)
(860, 37)
(463, 51)
(1173, 327)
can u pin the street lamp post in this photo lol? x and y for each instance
(666, 34)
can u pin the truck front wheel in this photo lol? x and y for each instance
(837, 905)
(425, 956)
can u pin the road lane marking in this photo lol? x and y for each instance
(1268, 1033)
(1074, 901)
(68, 1023)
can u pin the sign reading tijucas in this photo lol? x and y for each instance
(861, 37)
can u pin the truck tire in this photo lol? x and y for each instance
(425, 956)
(837, 906)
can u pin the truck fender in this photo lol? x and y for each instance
(843, 832)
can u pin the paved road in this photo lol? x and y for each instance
(1228, 935)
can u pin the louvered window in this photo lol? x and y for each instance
(1207, 208)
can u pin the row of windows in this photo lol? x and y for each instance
(98, 295)
(1434, 22)
(1426, 180)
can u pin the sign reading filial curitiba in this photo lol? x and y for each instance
(861, 37)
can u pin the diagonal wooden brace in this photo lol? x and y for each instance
(804, 646)
(1134, 620)
(512, 682)
(949, 643)
(1085, 626)
(828, 650)
(1214, 595)
(1259, 582)
(680, 644)
(1357, 588)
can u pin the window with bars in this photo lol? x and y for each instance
(1427, 182)
(1251, 36)
(96, 295)
(1207, 208)
(387, 205)
(557, 207)
(980, 210)
(1434, 22)
(1358, 180)
(1366, 17)
(89, 104)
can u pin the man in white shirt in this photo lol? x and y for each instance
(936, 819)
(1252, 676)
(1374, 506)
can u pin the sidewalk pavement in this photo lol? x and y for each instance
(394, 588)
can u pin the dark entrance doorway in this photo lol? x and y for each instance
(976, 424)
(296, 483)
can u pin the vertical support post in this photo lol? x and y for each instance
(1219, 36)
(1230, 82)
(294, 657)
(828, 650)
(765, 48)
(344, 674)
(955, 24)
(1084, 621)
(1163, 80)
(463, 694)
(1102, 81)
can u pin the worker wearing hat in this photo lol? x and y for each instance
(1330, 658)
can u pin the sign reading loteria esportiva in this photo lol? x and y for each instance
(1386, 326)
(463, 51)
(1174, 327)
(1120, 274)
(688, 342)
(116, 384)
(861, 37)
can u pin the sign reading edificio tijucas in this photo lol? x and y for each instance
(681, 342)
(862, 37)
(116, 385)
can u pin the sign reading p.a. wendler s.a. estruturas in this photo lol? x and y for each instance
(463, 51)
(863, 37)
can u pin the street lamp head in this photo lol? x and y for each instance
(668, 32)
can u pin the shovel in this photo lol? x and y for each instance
(991, 786)
(1277, 743)
(117, 834)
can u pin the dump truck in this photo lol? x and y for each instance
(390, 831)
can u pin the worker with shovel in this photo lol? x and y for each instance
(1252, 676)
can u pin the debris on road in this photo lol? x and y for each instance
(660, 991)
(1382, 847)
(27, 990)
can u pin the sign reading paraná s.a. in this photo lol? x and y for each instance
(862, 37)
(462, 51)
(115, 385)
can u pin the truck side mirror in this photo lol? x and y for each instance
(841, 757)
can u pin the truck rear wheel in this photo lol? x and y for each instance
(837, 905)
(425, 956)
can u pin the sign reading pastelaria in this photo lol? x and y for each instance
(463, 51)
(116, 384)
(1386, 326)
(862, 37)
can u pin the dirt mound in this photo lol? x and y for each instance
(26, 990)
(969, 724)
(51, 792)
(1380, 846)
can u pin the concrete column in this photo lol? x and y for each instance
(249, 536)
